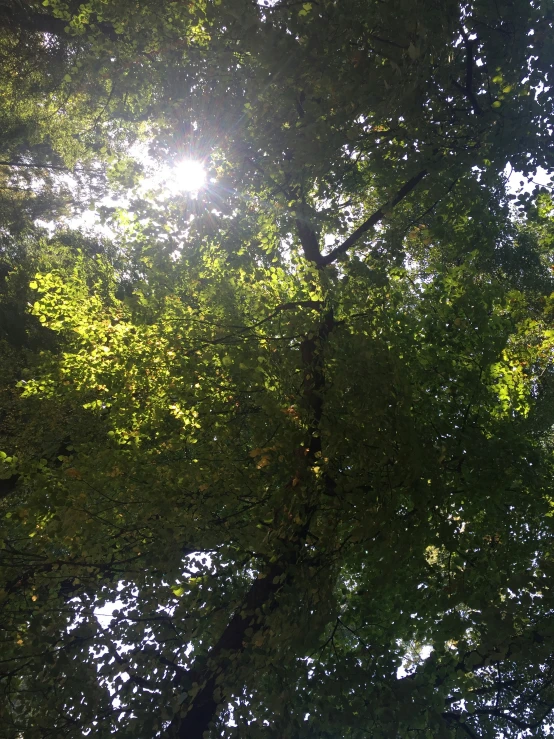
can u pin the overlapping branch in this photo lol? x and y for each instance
(467, 90)
(308, 237)
(206, 682)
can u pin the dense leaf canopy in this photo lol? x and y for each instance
(276, 457)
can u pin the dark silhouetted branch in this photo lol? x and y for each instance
(372, 221)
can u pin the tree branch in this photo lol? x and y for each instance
(372, 221)
(208, 679)
(432, 207)
(452, 716)
(314, 304)
(25, 165)
(308, 239)
(14, 17)
(468, 89)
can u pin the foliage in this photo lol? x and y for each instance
(277, 461)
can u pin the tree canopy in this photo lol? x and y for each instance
(276, 456)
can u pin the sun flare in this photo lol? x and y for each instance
(188, 175)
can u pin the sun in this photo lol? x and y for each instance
(183, 176)
(187, 175)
